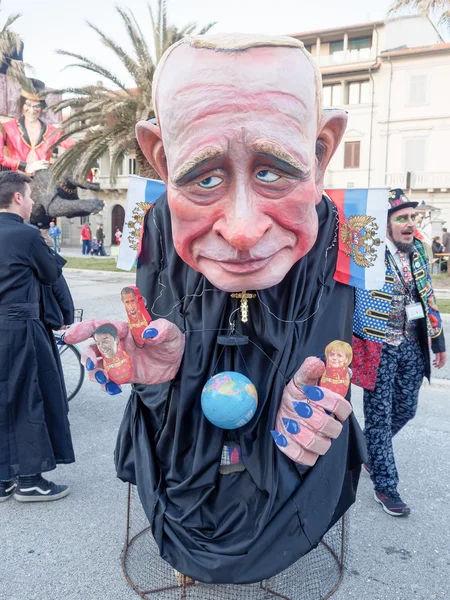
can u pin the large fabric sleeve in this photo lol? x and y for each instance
(44, 261)
(64, 298)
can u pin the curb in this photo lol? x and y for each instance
(436, 382)
(101, 274)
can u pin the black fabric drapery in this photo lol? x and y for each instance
(248, 526)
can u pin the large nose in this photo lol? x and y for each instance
(245, 224)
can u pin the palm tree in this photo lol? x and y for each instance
(11, 47)
(108, 115)
(425, 8)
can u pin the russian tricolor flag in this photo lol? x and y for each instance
(362, 233)
(142, 194)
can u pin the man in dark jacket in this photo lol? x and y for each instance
(34, 428)
(100, 235)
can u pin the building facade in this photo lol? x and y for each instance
(393, 79)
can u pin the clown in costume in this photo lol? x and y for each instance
(25, 143)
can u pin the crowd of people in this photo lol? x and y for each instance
(94, 246)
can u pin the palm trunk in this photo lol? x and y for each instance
(144, 168)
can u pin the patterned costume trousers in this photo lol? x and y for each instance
(389, 407)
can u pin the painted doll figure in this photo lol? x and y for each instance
(338, 356)
(116, 362)
(137, 313)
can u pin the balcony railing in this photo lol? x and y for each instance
(105, 183)
(347, 56)
(419, 180)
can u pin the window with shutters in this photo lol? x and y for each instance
(132, 170)
(351, 155)
(332, 95)
(418, 86)
(359, 92)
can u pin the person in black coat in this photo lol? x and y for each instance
(34, 428)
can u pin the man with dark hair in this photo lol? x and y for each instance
(34, 428)
(393, 330)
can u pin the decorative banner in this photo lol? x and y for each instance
(142, 194)
(362, 234)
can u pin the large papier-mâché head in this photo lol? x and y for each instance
(242, 145)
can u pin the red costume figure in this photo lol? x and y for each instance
(25, 143)
(138, 316)
(116, 362)
(337, 377)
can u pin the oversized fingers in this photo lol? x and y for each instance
(93, 362)
(305, 423)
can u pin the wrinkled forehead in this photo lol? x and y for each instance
(198, 81)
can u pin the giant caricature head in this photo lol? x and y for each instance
(242, 146)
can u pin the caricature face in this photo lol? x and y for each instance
(401, 227)
(131, 304)
(336, 359)
(32, 110)
(106, 344)
(239, 134)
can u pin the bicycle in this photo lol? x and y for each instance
(71, 361)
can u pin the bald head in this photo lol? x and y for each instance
(239, 123)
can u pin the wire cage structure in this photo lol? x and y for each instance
(316, 576)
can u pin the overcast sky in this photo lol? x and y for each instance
(46, 25)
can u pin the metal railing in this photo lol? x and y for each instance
(419, 180)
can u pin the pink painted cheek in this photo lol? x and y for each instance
(189, 222)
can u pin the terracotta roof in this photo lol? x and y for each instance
(332, 29)
(417, 50)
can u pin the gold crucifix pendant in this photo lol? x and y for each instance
(244, 297)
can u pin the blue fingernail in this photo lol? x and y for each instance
(328, 412)
(150, 333)
(312, 392)
(90, 366)
(279, 438)
(101, 377)
(303, 409)
(291, 426)
(112, 388)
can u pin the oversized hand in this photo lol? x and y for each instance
(156, 361)
(305, 425)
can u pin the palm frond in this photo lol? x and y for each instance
(107, 115)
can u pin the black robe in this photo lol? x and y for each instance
(34, 427)
(247, 526)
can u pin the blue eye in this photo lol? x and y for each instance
(267, 176)
(210, 182)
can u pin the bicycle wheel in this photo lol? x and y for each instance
(72, 368)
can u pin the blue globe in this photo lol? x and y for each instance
(229, 400)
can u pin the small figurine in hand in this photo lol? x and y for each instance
(116, 362)
(137, 313)
(337, 374)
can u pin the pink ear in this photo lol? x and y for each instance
(150, 141)
(331, 129)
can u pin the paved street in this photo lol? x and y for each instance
(71, 549)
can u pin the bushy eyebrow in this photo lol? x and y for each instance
(274, 150)
(270, 149)
(196, 160)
